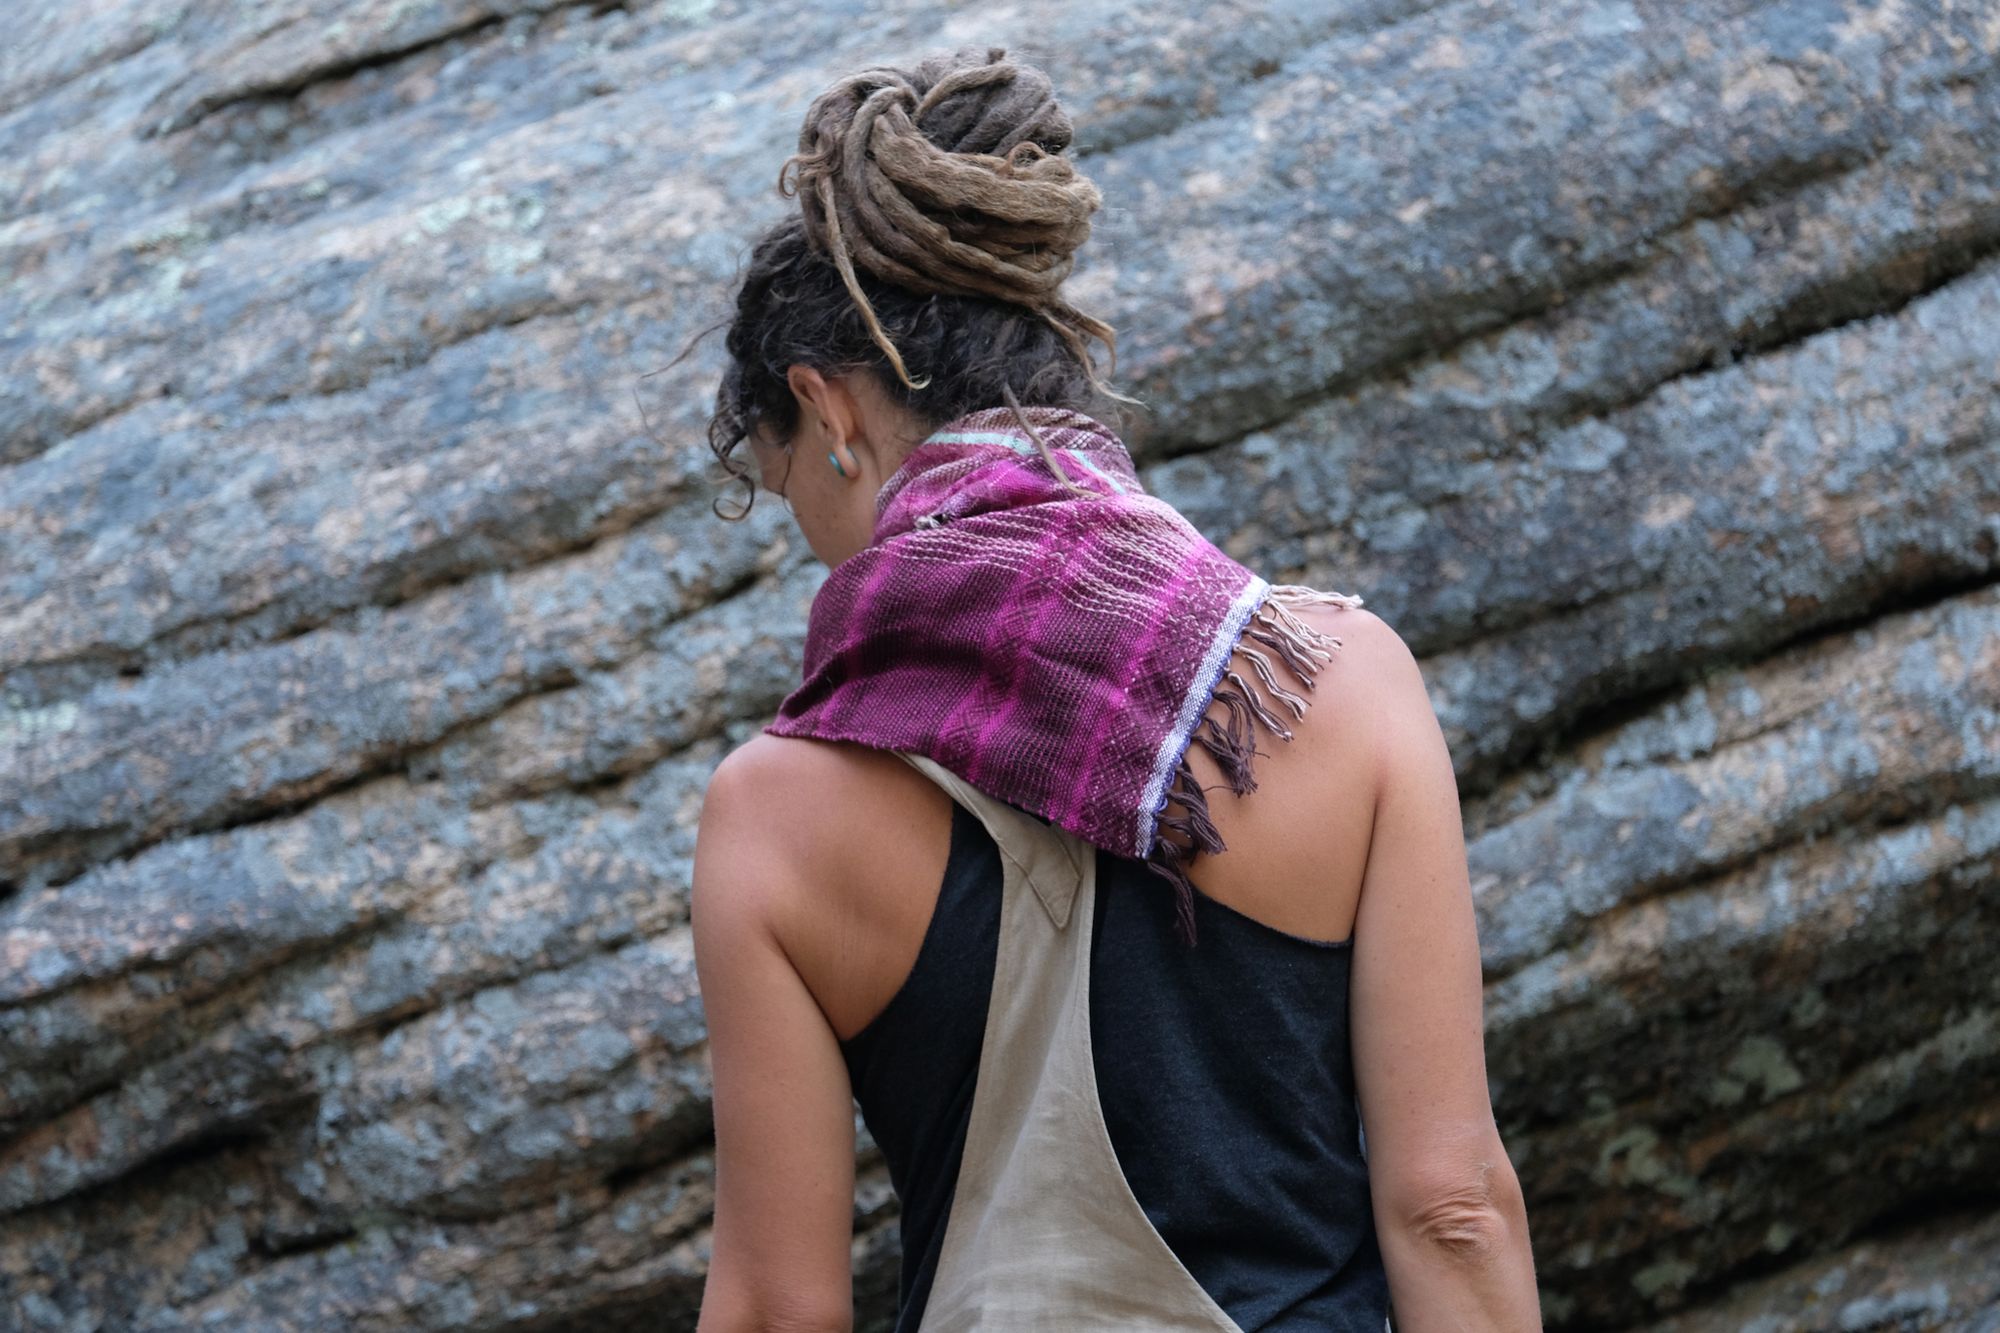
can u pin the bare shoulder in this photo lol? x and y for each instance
(1372, 651)
(833, 850)
(779, 822)
(1298, 843)
(1374, 683)
(807, 800)
(766, 760)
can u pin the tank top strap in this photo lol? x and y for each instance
(1052, 866)
(1044, 1231)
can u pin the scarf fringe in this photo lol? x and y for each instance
(1231, 740)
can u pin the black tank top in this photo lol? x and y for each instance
(1224, 1073)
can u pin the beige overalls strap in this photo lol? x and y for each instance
(1044, 1231)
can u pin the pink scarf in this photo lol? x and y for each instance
(1058, 652)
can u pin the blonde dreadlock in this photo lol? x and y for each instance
(949, 178)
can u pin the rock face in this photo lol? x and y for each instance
(366, 639)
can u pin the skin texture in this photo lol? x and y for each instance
(848, 417)
(817, 867)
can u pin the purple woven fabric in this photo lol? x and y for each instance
(1058, 652)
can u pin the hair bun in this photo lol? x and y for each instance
(988, 106)
(947, 178)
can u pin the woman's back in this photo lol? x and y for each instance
(1297, 846)
(1224, 1070)
(1353, 834)
(1229, 1105)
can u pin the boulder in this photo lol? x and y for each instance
(367, 639)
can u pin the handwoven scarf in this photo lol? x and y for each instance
(1059, 652)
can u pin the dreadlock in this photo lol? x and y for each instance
(937, 221)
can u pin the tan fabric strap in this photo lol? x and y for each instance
(1044, 1231)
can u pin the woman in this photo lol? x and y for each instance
(1113, 1007)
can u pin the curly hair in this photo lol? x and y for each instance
(937, 221)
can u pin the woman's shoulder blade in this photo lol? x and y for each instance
(860, 840)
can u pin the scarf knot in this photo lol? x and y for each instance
(1060, 651)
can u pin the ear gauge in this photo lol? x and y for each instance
(833, 459)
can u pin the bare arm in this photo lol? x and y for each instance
(784, 1112)
(1448, 1207)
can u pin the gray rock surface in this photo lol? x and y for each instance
(366, 640)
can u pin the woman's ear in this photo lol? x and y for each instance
(829, 403)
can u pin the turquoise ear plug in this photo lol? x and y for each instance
(836, 463)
